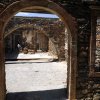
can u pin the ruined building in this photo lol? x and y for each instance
(82, 22)
(35, 34)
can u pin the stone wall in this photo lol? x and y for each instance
(41, 30)
(58, 40)
(52, 48)
(87, 88)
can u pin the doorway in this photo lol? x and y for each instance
(43, 68)
(53, 7)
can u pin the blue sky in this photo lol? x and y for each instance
(25, 14)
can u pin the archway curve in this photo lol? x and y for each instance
(34, 4)
(16, 28)
(69, 21)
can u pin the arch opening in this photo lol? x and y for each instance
(28, 32)
(60, 12)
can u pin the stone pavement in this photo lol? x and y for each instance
(30, 80)
(31, 76)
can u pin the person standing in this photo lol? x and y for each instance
(19, 47)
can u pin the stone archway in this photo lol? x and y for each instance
(69, 21)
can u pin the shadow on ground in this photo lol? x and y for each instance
(38, 57)
(57, 94)
(29, 61)
(11, 56)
